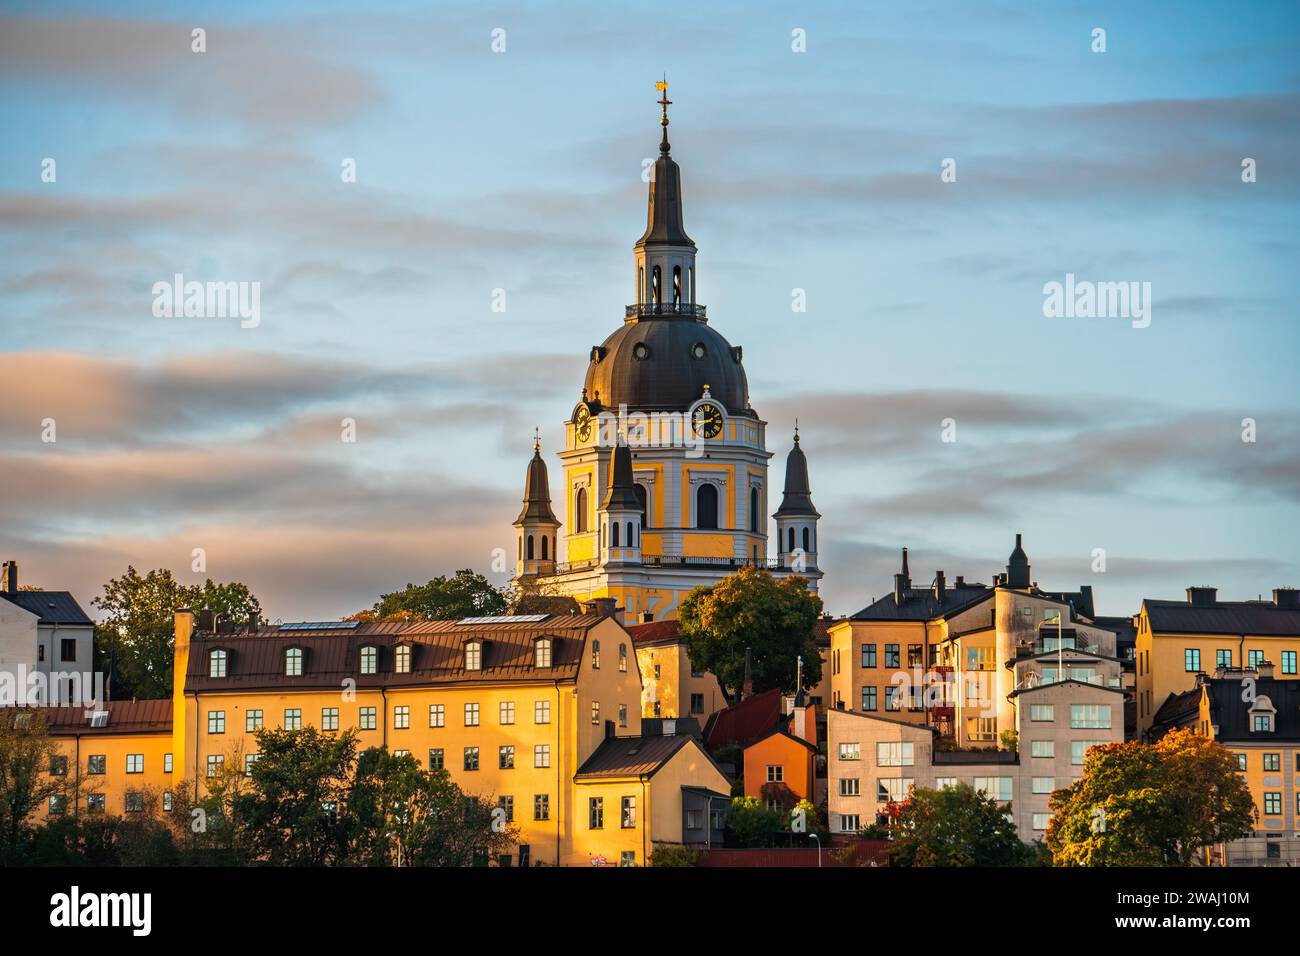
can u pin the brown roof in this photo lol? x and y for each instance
(631, 756)
(655, 632)
(124, 717)
(741, 724)
(331, 655)
(822, 631)
(1222, 617)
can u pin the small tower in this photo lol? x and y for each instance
(620, 513)
(536, 522)
(665, 255)
(1018, 571)
(796, 519)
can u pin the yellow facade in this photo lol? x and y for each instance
(673, 688)
(120, 782)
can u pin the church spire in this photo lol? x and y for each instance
(665, 102)
(664, 220)
(537, 490)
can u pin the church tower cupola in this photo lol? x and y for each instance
(620, 512)
(796, 519)
(536, 524)
(664, 268)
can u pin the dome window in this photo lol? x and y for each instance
(698, 351)
(641, 351)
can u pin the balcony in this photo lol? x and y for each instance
(640, 310)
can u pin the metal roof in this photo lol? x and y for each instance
(1222, 617)
(52, 607)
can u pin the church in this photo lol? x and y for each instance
(665, 461)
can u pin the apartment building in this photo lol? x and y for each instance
(45, 645)
(671, 685)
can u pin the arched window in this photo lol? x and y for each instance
(656, 293)
(530, 547)
(640, 284)
(790, 547)
(642, 498)
(369, 659)
(544, 548)
(293, 662)
(473, 655)
(631, 538)
(753, 509)
(613, 534)
(706, 507)
(521, 547)
(677, 286)
(807, 540)
(580, 510)
(217, 664)
(691, 286)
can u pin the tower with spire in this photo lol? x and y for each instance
(537, 527)
(621, 513)
(796, 519)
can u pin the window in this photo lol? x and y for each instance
(1288, 662)
(1079, 749)
(471, 758)
(753, 509)
(329, 718)
(506, 757)
(868, 699)
(807, 540)
(473, 655)
(252, 720)
(134, 801)
(249, 760)
(893, 697)
(891, 655)
(58, 804)
(1262, 723)
(1089, 716)
(1044, 784)
(622, 711)
(775, 773)
(595, 813)
(851, 751)
(293, 717)
(58, 765)
(1272, 803)
(868, 655)
(893, 790)
(471, 715)
(437, 715)
(595, 655)
(627, 858)
(697, 703)
(135, 763)
(96, 803)
(436, 759)
(1042, 712)
(506, 712)
(1223, 658)
(913, 655)
(995, 788)
(1041, 820)
(628, 814)
(293, 662)
(894, 754)
(694, 820)
(580, 511)
(68, 649)
(1241, 762)
(369, 718)
(943, 783)
(849, 787)
(706, 506)
(1042, 748)
(369, 660)
(1192, 660)
(96, 764)
(215, 763)
(613, 534)
(657, 672)
(595, 711)
(542, 755)
(1272, 762)
(541, 806)
(402, 658)
(542, 652)
(542, 712)
(622, 658)
(849, 823)
(217, 664)
(1255, 658)
(216, 721)
(402, 717)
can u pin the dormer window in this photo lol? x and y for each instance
(217, 664)
(542, 652)
(402, 658)
(369, 659)
(293, 662)
(1262, 714)
(473, 655)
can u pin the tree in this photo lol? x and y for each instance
(26, 753)
(1150, 804)
(468, 594)
(291, 814)
(752, 610)
(955, 826)
(539, 599)
(675, 854)
(750, 824)
(137, 634)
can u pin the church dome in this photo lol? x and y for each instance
(663, 363)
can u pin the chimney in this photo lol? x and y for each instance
(900, 589)
(254, 621)
(940, 587)
(11, 577)
(1202, 596)
(1085, 594)
(1286, 597)
(1264, 669)
(961, 580)
(747, 688)
(207, 618)
(602, 607)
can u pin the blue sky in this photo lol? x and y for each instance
(522, 170)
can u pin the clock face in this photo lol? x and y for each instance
(707, 420)
(582, 423)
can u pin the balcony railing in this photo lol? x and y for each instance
(642, 309)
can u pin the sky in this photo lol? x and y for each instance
(520, 169)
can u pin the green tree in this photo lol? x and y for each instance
(674, 854)
(26, 752)
(137, 635)
(291, 815)
(467, 594)
(750, 824)
(753, 610)
(955, 826)
(1150, 804)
